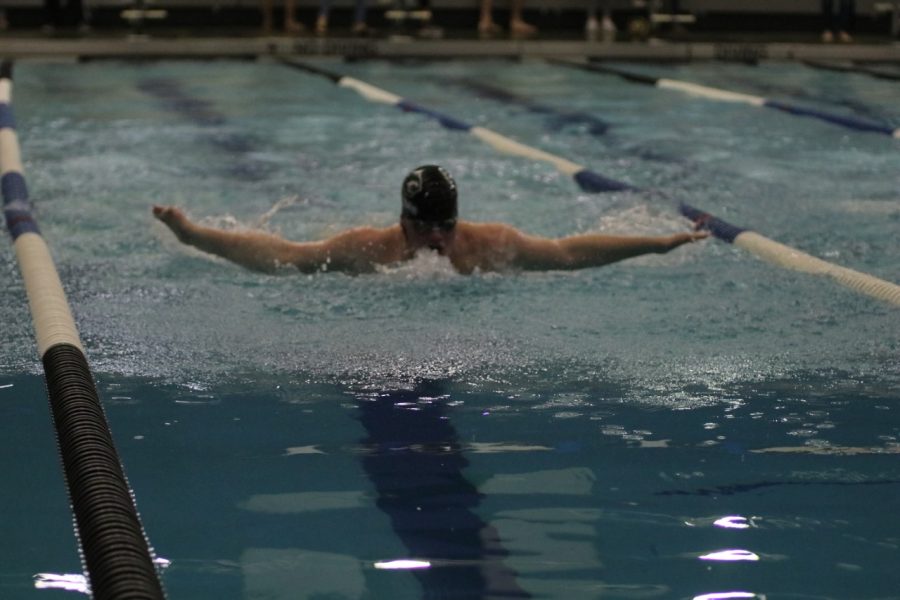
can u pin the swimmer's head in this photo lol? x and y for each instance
(429, 197)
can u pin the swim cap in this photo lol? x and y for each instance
(429, 195)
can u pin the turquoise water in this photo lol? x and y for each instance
(603, 433)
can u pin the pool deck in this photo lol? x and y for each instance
(129, 46)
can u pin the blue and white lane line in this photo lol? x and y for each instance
(53, 320)
(586, 179)
(791, 258)
(115, 552)
(711, 93)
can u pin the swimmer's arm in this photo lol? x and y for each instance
(254, 250)
(591, 250)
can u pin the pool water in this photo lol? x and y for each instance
(694, 425)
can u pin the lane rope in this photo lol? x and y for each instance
(116, 555)
(586, 179)
(720, 95)
(791, 258)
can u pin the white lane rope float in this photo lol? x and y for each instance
(586, 179)
(791, 258)
(716, 94)
(116, 555)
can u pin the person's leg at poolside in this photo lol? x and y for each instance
(828, 21)
(845, 21)
(517, 25)
(291, 25)
(359, 18)
(322, 19)
(486, 25)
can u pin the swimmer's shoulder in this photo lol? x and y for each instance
(488, 231)
(367, 234)
(485, 226)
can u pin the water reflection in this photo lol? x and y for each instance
(402, 564)
(69, 583)
(732, 522)
(415, 464)
(729, 596)
(72, 582)
(730, 555)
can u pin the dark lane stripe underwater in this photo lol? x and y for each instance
(560, 120)
(556, 119)
(416, 464)
(203, 113)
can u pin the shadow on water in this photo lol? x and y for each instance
(415, 462)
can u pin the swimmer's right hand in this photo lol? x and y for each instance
(679, 239)
(173, 217)
(167, 213)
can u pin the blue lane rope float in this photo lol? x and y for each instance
(586, 179)
(791, 258)
(116, 555)
(711, 93)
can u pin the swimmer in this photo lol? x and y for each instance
(428, 222)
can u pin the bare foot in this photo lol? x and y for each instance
(360, 29)
(519, 28)
(293, 27)
(487, 29)
(322, 25)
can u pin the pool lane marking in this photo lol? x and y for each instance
(595, 126)
(557, 119)
(114, 548)
(791, 258)
(170, 93)
(586, 179)
(853, 68)
(711, 93)
(416, 465)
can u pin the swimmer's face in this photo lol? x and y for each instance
(436, 235)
